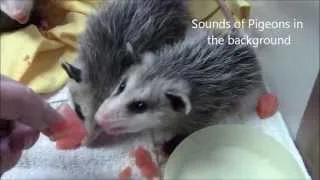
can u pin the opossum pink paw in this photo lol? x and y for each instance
(144, 162)
(267, 105)
(21, 17)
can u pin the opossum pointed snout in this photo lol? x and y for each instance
(102, 120)
(101, 117)
(108, 126)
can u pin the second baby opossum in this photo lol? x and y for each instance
(112, 42)
(183, 87)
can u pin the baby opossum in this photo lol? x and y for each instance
(15, 14)
(114, 39)
(183, 87)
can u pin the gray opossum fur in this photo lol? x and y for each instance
(114, 39)
(211, 80)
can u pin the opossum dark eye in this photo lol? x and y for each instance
(121, 87)
(138, 106)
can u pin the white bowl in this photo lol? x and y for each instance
(231, 152)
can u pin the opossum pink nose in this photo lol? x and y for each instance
(103, 121)
(101, 117)
(21, 16)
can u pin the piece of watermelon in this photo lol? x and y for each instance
(68, 133)
(68, 143)
(125, 174)
(267, 105)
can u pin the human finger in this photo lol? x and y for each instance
(20, 103)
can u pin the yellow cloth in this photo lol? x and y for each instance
(32, 57)
(206, 9)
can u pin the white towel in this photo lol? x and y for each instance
(44, 161)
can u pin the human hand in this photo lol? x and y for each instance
(23, 114)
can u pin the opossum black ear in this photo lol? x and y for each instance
(179, 102)
(72, 71)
